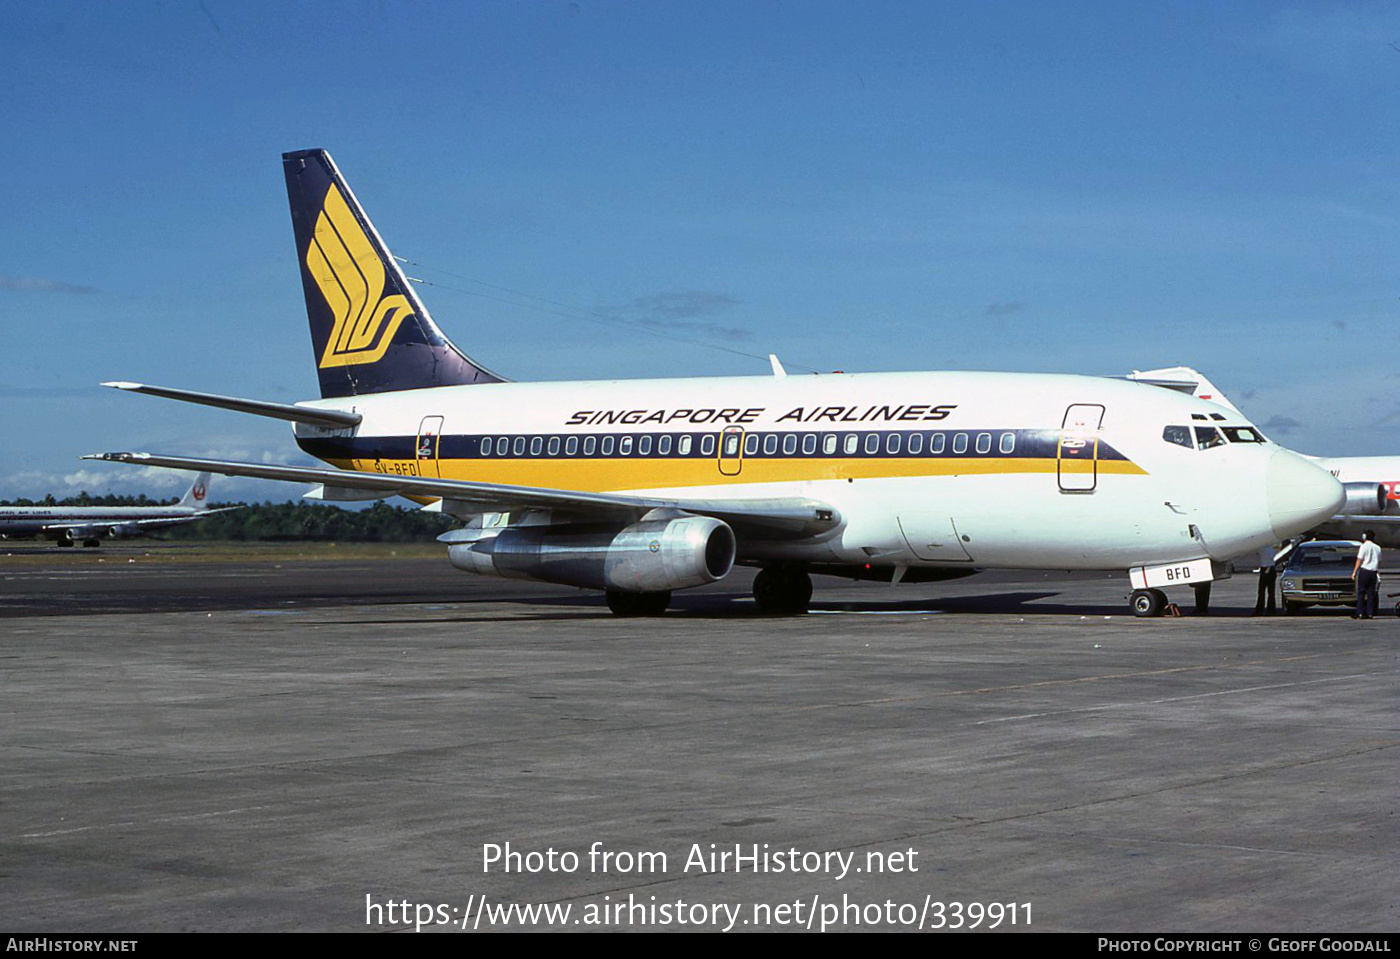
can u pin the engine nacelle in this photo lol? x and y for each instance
(1363, 499)
(651, 555)
(79, 534)
(123, 531)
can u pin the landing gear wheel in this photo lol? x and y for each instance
(782, 592)
(638, 604)
(1148, 602)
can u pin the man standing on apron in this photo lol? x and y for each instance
(1367, 573)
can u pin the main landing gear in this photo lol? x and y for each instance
(638, 604)
(782, 592)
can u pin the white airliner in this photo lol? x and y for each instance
(1372, 483)
(88, 524)
(641, 487)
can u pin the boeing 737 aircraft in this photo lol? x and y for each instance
(641, 487)
(88, 524)
(1372, 483)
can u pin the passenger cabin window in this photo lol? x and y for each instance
(536, 445)
(1207, 437)
(829, 443)
(809, 444)
(1180, 435)
(1008, 443)
(663, 445)
(608, 445)
(935, 445)
(684, 446)
(892, 443)
(750, 444)
(486, 446)
(643, 445)
(590, 443)
(984, 442)
(850, 443)
(916, 444)
(707, 444)
(624, 446)
(571, 446)
(519, 446)
(770, 444)
(789, 444)
(554, 446)
(960, 443)
(872, 442)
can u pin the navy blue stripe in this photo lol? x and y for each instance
(1029, 444)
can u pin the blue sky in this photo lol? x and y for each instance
(1077, 187)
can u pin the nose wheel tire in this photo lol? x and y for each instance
(1148, 602)
(782, 592)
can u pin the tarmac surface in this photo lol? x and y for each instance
(265, 743)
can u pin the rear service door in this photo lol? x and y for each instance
(426, 449)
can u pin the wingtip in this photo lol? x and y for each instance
(115, 457)
(122, 385)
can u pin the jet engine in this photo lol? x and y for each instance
(1363, 499)
(123, 531)
(654, 554)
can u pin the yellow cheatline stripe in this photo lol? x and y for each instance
(601, 475)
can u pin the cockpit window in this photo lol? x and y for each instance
(1208, 436)
(1241, 434)
(1180, 435)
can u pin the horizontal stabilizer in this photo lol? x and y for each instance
(329, 419)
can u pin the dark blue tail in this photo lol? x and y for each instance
(370, 332)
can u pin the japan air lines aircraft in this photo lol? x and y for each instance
(69, 525)
(641, 487)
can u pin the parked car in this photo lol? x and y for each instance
(1319, 574)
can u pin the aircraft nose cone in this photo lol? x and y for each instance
(1300, 494)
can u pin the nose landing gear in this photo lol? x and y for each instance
(1147, 602)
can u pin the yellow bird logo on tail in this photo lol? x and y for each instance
(346, 268)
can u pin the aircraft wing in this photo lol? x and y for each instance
(781, 518)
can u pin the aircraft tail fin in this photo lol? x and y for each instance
(1185, 380)
(195, 495)
(369, 330)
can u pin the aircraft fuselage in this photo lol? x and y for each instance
(925, 469)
